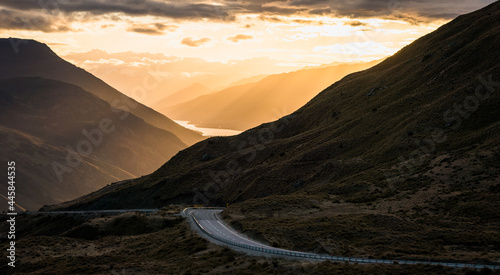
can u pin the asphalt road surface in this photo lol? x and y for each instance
(208, 219)
(213, 228)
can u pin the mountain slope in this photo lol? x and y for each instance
(183, 95)
(391, 132)
(248, 105)
(42, 121)
(20, 58)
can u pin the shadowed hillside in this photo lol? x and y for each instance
(21, 58)
(43, 121)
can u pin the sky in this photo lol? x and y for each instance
(253, 37)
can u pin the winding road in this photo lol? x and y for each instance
(208, 222)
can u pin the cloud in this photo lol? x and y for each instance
(170, 9)
(322, 12)
(227, 10)
(355, 23)
(307, 22)
(152, 29)
(173, 66)
(413, 11)
(367, 48)
(273, 19)
(239, 37)
(18, 20)
(57, 44)
(189, 41)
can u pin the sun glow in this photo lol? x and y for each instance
(249, 36)
(214, 42)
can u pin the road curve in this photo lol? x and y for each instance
(208, 221)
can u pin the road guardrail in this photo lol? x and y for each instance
(324, 257)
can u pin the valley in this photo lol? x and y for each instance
(348, 172)
(367, 144)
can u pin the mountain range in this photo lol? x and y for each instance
(421, 124)
(69, 132)
(246, 105)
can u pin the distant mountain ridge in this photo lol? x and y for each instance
(248, 105)
(186, 94)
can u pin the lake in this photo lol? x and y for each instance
(209, 132)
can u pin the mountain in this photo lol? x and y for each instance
(186, 94)
(398, 161)
(50, 108)
(67, 142)
(21, 58)
(362, 131)
(250, 104)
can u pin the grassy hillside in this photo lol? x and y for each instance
(400, 160)
(153, 244)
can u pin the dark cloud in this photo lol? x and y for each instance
(239, 37)
(410, 19)
(18, 20)
(309, 22)
(189, 41)
(322, 12)
(273, 19)
(152, 29)
(355, 23)
(170, 9)
(414, 11)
